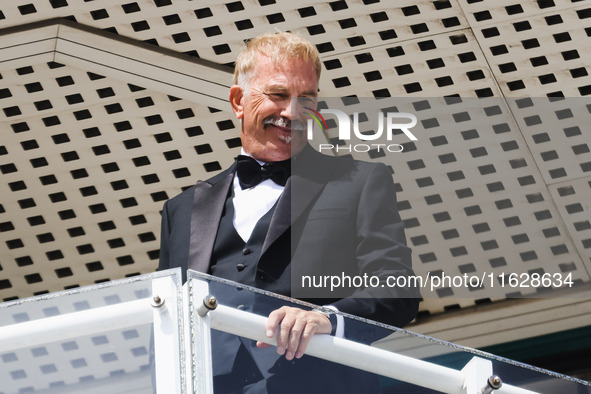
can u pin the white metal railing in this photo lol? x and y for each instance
(160, 312)
(418, 372)
(82, 323)
(190, 354)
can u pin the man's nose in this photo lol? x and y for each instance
(286, 109)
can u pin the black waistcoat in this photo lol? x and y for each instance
(233, 258)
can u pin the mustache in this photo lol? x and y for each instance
(281, 121)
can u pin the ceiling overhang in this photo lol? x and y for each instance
(94, 50)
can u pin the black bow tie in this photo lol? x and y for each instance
(251, 173)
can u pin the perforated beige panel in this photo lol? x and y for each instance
(544, 53)
(215, 30)
(82, 172)
(88, 157)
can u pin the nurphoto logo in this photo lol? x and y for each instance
(402, 121)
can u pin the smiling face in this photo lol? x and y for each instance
(265, 107)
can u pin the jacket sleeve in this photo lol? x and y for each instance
(382, 253)
(164, 262)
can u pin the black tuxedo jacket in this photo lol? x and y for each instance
(337, 216)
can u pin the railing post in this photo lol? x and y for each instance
(166, 346)
(476, 374)
(199, 340)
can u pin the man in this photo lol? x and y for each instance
(269, 234)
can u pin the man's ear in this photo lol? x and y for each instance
(236, 95)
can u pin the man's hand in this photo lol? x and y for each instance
(294, 328)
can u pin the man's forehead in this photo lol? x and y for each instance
(285, 84)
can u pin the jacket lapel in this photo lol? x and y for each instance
(310, 172)
(208, 204)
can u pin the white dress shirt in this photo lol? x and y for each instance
(252, 204)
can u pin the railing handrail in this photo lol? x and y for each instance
(87, 322)
(339, 350)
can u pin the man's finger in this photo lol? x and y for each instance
(295, 336)
(262, 345)
(305, 338)
(273, 320)
(284, 331)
